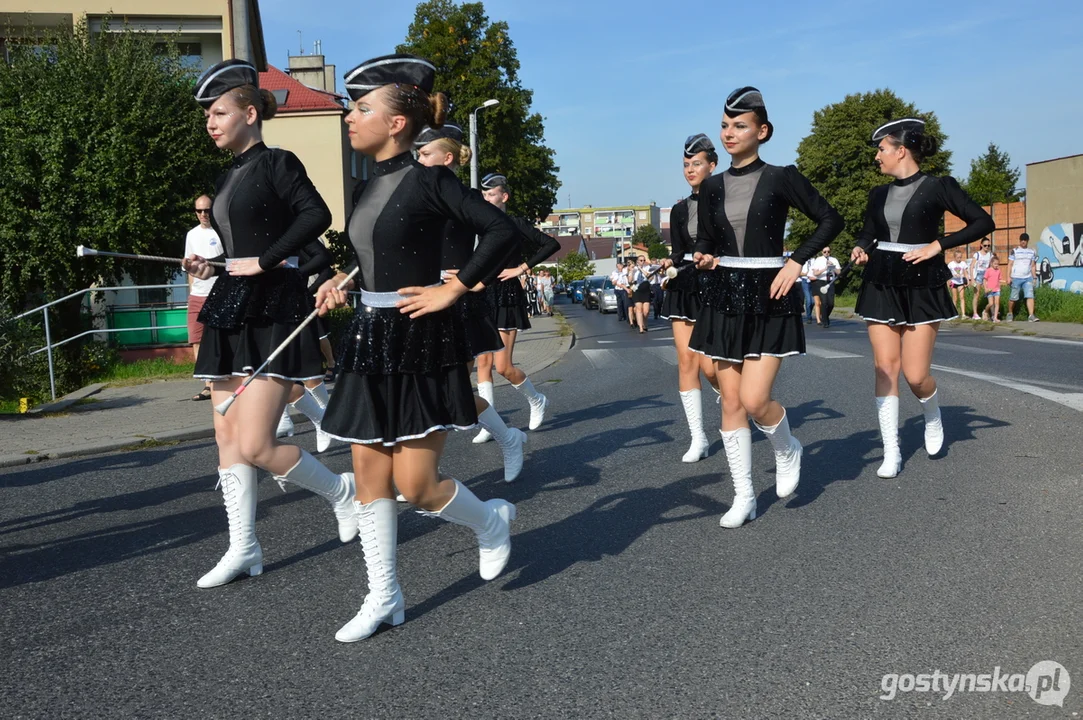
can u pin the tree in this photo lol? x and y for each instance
(657, 251)
(837, 159)
(101, 144)
(475, 61)
(646, 235)
(574, 266)
(992, 178)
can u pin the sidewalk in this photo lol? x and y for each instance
(117, 418)
(1066, 331)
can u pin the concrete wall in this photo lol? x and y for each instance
(1054, 193)
(319, 139)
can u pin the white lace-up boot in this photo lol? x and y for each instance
(238, 483)
(485, 392)
(788, 453)
(490, 521)
(693, 412)
(313, 404)
(887, 411)
(934, 426)
(738, 445)
(379, 523)
(338, 490)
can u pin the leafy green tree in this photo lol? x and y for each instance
(475, 61)
(575, 266)
(646, 235)
(101, 144)
(837, 159)
(657, 251)
(992, 178)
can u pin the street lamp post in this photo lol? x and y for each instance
(474, 141)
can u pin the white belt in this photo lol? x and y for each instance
(751, 263)
(384, 299)
(688, 257)
(899, 247)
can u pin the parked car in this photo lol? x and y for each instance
(608, 301)
(575, 291)
(592, 290)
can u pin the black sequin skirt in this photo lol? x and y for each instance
(401, 379)
(740, 320)
(389, 409)
(682, 305)
(224, 353)
(508, 301)
(246, 318)
(896, 292)
(384, 341)
(279, 295)
(894, 305)
(481, 332)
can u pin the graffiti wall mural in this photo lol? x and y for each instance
(1060, 257)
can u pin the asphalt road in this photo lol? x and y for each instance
(623, 598)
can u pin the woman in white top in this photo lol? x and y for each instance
(960, 272)
(978, 265)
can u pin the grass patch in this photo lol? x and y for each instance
(1050, 305)
(9, 407)
(564, 328)
(142, 371)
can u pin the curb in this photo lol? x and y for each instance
(68, 400)
(1019, 327)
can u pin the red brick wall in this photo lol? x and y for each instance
(1010, 219)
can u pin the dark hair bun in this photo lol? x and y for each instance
(270, 105)
(929, 146)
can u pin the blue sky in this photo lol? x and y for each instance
(621, 84)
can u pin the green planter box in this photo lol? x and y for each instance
(137, 318)
(176, 316)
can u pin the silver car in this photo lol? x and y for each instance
(607, 299)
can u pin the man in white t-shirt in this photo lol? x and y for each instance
(1022, 272)
(202, 240)
(822, 270)
(978, 265)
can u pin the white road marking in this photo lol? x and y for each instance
(604, 359)
(971, 350)
(1051, 341)
(1072, 400)
(828, 353)
(665, 354)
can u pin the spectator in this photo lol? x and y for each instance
(1022, 271)
(203, 241)
(992, 289)
(822, 272)
(957, 285)
(618, 278)
(809, 304)
(978, 265)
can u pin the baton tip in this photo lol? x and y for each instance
(222, 407)
(80, 251)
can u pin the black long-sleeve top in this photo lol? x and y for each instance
(457, 247)
(742, 212)
(315, 259)
(910, 211)
(680, 237)
(398, 222)
(265, 206)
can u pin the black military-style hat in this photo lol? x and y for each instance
(447, 130)
(897, 129)
(400, 68)
(696, 144)
(223, 77)
(746, 99)
(493, 180)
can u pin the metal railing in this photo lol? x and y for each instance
(49, 344)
